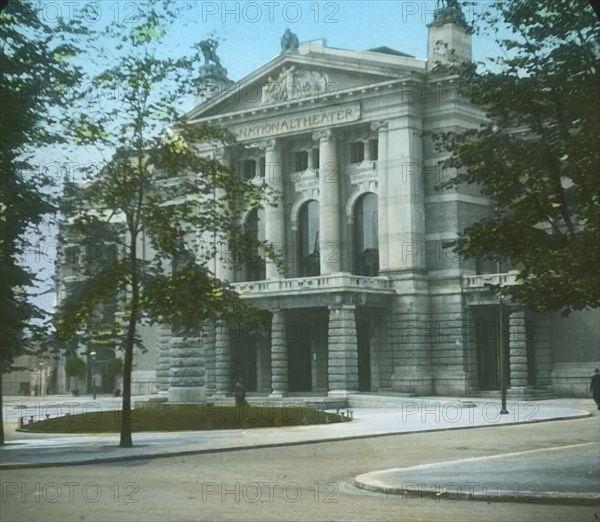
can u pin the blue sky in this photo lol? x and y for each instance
(250, 32)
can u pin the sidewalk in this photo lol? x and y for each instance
(568, 474)
(29, 450)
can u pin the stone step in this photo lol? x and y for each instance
(529, 394)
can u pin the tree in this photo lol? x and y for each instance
(537, 155)
(35, 70)
(156, 189)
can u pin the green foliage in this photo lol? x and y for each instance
(156, 192)
(32, 62)
(74, 367)
(189, 417)
(35, 68)
(537, 156)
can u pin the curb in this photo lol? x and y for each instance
(123, 458)
(542, 497)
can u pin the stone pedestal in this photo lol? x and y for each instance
(279, 356)
(187, 372)
(343, 350)
(539, 334)
(209, 338)
(223, 378)
(163, 363)
(518, 351)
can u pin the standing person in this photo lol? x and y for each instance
(595, 387)
(240, 393)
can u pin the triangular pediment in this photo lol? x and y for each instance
(312, 71)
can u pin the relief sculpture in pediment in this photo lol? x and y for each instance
(293, 84)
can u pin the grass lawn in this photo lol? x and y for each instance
(187, 417)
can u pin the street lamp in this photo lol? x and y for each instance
(40, 371)
(503, 410)
(93, 354)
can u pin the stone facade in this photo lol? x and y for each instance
(369, 298)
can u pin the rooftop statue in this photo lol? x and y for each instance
(289, 41)
(209, 48)
(212, 77)
(448, 11)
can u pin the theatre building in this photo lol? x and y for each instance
(369, 299)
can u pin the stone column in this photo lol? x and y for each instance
(274, 216)
(405, 195)
(343, 350)
(382, 200)
(163, 363)
(223, 378)
(367, 150)
(329, 203)
(208, 335)
(279, 355)
(542, 342)
(187, 373)
(518, 351)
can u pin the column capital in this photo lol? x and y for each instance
(266, 144)
(323, 135)
(379, 126)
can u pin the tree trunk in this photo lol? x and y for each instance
(126, 441)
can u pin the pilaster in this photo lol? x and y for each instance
(343, 350)
(187, 372)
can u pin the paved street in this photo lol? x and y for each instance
(317, 481)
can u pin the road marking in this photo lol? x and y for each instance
(491, 457)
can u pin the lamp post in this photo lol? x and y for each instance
(93, 354)
(40, 371)
(503, 410)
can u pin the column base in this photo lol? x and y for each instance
(518, 392)
(340, 394)
(187, 395)
(278, 395)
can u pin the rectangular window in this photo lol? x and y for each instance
(316, 158)
(249, 169)
(374, 146)
(300, 161)
(357, 152)
(262, 166)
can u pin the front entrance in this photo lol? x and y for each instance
(487, 334)
(244, 361)
(298, 335)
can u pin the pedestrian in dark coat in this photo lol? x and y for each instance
(240, 393)
(595, 387)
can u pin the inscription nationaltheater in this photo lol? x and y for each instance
(300, 123)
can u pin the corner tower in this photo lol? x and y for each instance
(449, 35)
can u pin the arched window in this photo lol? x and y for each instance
(308, 232)
(366, 236)
(255, 264)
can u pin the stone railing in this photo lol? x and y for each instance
(326, 283)
(481, 282)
